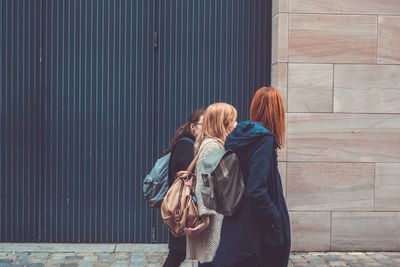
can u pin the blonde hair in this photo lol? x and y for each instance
(217, 118)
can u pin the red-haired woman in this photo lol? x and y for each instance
(258, 234)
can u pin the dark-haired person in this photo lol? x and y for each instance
(258, 234)
(182, 146)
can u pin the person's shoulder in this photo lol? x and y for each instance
(185, 140)
(183, 145)
(208, 145)
(210, 142)
(265, 141)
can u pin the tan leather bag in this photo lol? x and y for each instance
(179, 207)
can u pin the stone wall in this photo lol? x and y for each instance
(338, 64)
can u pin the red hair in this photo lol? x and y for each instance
(267, 108)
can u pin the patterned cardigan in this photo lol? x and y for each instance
(203, 246)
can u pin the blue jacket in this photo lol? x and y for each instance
(258, 234)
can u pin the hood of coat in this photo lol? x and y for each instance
(245, 133)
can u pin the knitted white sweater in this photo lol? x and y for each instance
(203, 246)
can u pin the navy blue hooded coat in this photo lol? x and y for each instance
(258, 234)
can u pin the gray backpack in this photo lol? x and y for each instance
(223, 185)
(155, 184)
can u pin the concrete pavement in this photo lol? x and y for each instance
(153, 255)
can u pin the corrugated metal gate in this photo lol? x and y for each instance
(92, 91)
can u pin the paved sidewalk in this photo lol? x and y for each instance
(153, 255)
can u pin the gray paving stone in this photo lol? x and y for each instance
(137, 264)
(137, 255)
(143, 248)
(376, 264)
(386, 262)
(357, 253)
(53, 247)
(348, 257)
(356, 264)
(120, 263)
(22, 260)
(41, 255)
(188, 263)
(153, 258)
(68, 265)
(104, 256)
(74, 257)
(380, 256)
(19, 254)
(35, 265)
(90, 258)
(337, 263)
(6, 261)
(122, 256)
(64, 254)
(295, 257)
(330, 257)
(138, 261)
(57, 258)
(316, 261)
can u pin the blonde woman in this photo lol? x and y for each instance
(202, 241)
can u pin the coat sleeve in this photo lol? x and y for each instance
(257, 186)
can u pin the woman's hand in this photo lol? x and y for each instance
(199, 228)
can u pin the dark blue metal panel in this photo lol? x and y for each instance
(20, 116)
(98, 58)
(89, 101)
(208, 51)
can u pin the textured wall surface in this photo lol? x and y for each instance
(337, 62)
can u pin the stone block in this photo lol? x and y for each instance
(365, 231)
(389, 39)
(367, 88)
(310, 88)
(387, 187)
(332, 39)
(343, 137)
(330, 186)
(345, 6)
(310, 231)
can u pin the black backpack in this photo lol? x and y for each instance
(223, 181)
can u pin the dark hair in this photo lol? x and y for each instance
(194, 117)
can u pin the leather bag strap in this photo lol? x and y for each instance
(193, 163)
